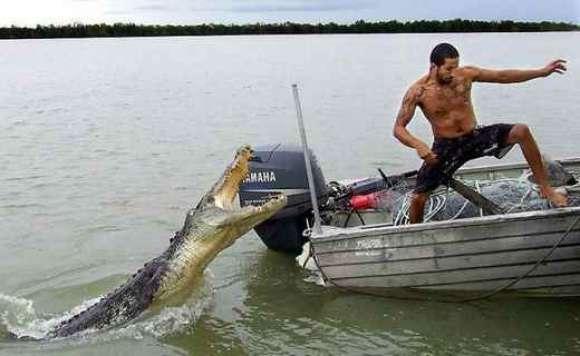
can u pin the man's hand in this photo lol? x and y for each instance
(426, 154)
(557, 66)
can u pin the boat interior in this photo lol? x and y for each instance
(511, 187)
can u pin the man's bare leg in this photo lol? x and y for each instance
(417, 207)
(521, 135)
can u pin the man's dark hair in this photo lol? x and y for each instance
(442, 51)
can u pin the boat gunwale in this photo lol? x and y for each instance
(510, 166)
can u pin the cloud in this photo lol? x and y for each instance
(31, 12)
(154, 7)
(273, 6)
(310, 6)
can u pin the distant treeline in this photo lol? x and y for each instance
(132, 30)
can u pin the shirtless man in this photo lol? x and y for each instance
(444, 96)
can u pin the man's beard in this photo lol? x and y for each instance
(444, 81)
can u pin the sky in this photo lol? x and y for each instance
(32, 12)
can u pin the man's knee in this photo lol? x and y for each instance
(519, 133)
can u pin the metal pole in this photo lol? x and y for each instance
(302, 131)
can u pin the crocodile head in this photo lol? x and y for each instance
(213, 225)
(217, 209)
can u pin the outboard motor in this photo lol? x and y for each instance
(278, 169)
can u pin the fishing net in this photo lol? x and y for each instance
(512, 195)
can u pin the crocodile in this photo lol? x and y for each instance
(210, 227)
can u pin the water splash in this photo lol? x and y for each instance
(19, 318)
(169, 321)
(15, 311)
(306, 261)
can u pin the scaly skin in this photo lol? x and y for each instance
(209, 228)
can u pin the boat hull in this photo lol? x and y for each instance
(475, 255)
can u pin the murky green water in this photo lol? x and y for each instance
(105, 144)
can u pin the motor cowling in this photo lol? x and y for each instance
(276, 169)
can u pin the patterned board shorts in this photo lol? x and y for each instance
(452, 153)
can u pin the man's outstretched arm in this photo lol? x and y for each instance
(515, 75)
(406, 113)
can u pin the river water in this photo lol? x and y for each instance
(106, 143)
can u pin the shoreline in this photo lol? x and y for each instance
(120, 30)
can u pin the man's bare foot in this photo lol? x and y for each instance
(555, 196)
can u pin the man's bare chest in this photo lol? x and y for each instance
(442, 99)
